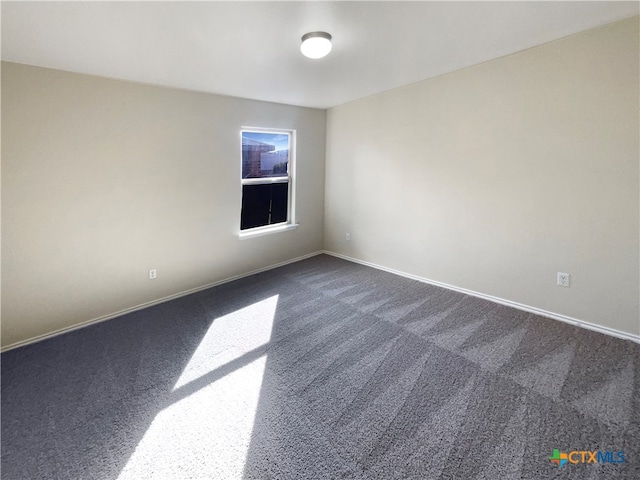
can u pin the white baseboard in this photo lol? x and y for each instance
(538, 311)
(104, 318)
(502, 301)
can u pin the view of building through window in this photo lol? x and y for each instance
(264, 154)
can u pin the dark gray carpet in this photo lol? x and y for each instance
(321, 369)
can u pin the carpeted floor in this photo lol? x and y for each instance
(322, 369)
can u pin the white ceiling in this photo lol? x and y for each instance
(251, 49)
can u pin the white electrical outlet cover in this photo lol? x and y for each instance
(563, 279)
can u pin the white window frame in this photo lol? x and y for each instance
(290, 224)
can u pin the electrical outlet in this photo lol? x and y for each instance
(153, 273)
(563, 279)
(348, 237)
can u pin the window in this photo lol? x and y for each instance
(267, 164)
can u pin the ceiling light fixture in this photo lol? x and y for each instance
(316, 44)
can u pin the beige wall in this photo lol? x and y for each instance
(103, 180)
(498, 176)
(492, 179)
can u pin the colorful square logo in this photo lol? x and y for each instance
(559, 458)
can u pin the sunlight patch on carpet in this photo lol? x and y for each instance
(206, 432)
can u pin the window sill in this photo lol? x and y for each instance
(260, 231)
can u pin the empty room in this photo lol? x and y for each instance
(320, 240)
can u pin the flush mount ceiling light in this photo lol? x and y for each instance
(316, 44)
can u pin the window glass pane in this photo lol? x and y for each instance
(279, 202)
(256, 201)
(264, 204)
(264, 154)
